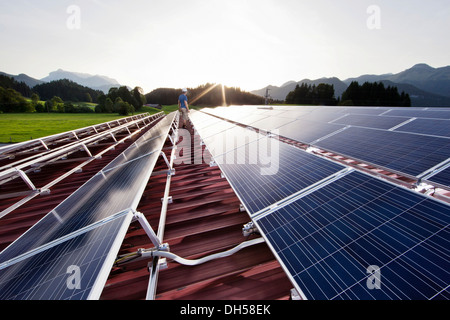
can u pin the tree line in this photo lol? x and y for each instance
(374, 94)
(67, 90)
(367, 94)
(323, 94)
(62, 96)
(121, 100)
(209, 94)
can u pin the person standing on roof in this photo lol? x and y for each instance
(183, 106)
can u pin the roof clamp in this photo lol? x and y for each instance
(169, 200)
(312, 149)
(44, 192)
(249, 229)
(295, 295)
(242, 208)
(424, 188)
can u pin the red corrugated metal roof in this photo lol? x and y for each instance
(20, 220)
(203, 219)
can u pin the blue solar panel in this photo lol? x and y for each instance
(411, 154)
(369, 121)
(115, 189)
(442, 178)
(434, 127)
(112, 190)
(411, 112)
(262, 178)
(328, 239)
(47, 275)
(358, 110)
(308, 131)
(271, 123)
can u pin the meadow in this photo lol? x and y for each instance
(19, 127)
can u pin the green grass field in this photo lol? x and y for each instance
(18, 127)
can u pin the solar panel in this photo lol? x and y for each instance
(308, 131)
(323, 115)
(417, 113)
(296, 113)
(369, 121)
(442, 178)
(271, 123)
(117, 188)
(329, 241)
(250, 119)
(266, 171)
(410, 154)
(204, 120)
(66, 271)
(435, 127)
(220, 143)
(359, 110)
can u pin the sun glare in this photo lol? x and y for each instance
(206, 91)
(224, 97)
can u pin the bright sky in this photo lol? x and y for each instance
(245, 43)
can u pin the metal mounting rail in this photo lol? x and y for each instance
(46, 141)
(46, 189)
(10, 171)
(66, 148)
(89, 225)
(155, 266)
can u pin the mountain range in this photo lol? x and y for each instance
(96, 82)
(427, 86)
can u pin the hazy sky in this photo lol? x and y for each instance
(245, 43)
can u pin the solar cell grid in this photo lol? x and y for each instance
(204, 120)
(442, 178)
(271, 123)
(436, 127)
(407, 153)
(308, 131)
(322, 115)
(114, 190)
(45, 276)
(250, 119)
(417, 113)
(293, 114)
(359, 110)
(261, 178)
(369, 121)
(224, 141)
(327, 240)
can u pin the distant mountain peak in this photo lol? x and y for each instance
(426, 85)
(422, 66)
(97, 82)
(288, 83)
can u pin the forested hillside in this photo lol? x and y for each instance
(205, 95)
(67, 90)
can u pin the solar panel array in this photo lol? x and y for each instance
(84, 231)
(335, 230)
(409, 141)
(329, 238)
